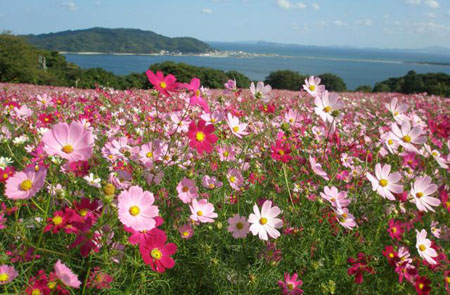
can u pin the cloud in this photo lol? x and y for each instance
(432, 3)
(364, 22)
(430, 15)
(316, 6)
(70, 5)
(413, 2)
(286, 4)
(207, 11)
(339, 23)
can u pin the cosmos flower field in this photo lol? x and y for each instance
(186, 190)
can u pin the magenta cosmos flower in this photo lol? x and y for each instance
(238, 226)
(291, 286)
(264, 222)
(202, 136)
(66, 275)
(72, 142)
(136, 209)
(384, 182)
(421, 191)
(196, 97)
(155, 252)
(202, 211)
(7, 274)
(161, 83)
(25, 184)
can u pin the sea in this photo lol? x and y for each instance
(355, 66)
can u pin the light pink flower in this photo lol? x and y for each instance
(260, 91)
(66, 275)
(202, 211)
(187, 191)
(237, 128)
(397, 110)
(328, 106)
(407, 137)
(421, 191)
(136, 209)
(264, 223)
(238, 226)
(317, 168)
(235, 178)
(345, 218)
(437, 156)
(335, 197)
(25, 184)
(7, 274)
(423, 246)
(211, 182)
(72, 142)
(226, 153)
(186, 231)
(385, 183)
(312, 86)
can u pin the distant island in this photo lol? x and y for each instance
(126, 41)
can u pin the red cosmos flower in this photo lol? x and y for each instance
(45, 118)
(359, 267)
(38, 284)
(395, 229)
(202, 137)
(422, 285)
(87, 208)
(281, 151)
(391, 255)
(196, 98)
(138, 237)
(447, 280)
(87, 240)
(99, 279)
(6, 173)
(63, 220)
(161, 83)
(155, 252)
(443, 194)
(267, 108)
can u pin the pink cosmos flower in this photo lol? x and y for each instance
(437, 156)
(7, 274)
(236, 127)
(215, 117)
(421, 191)
(385, 183)
(260, 91)
(335, 197)
(150, 152)
(264, 223)
(196, 98)
(202, 211)
(211, 182)
(317, 168)
(345, 218)
(407, 137)
(202, 136)
(25, 184)
(66, 276)
(226, 153)
(136, 209)
(312, 86)
(71, 142)
(328, 106)
(161, 83)
(397, 110)
(238, 226)
(235, 178)
(424, 248)
(187, 191)
(291, 286)
(157, 253)
(186, 231)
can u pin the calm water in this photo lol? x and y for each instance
(355, 66)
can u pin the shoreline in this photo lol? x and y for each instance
(237, 54)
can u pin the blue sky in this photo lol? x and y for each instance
(359, 23)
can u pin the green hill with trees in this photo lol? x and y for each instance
(116, 40)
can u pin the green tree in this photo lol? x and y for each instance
(332, 82)
(285, 79)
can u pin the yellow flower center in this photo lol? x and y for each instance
(197, 92)
(149, 155)
(57, 220)
(185, 233)
(390, 141)
(232, 179)
(383, 182)
(421, 285)
(434, 154)
(26, 185)
(163, 85)
(52, 285)
(281, 152)
(211, 185)
(4, 277)
(226, 153)
(391, 255)
(5, 175)
(419, 195)
(213, 120)
(156, 253)
(239, 225)
(394, 229)
(67, 149)
(327, 109)
(46, 119)
(396, 114)
(36, 292)
(422, 248)
(83, 212)
(290, 286)
(185, 189)
(406, 138)
(200, 136)
(134, 210)
(447, 279)
(199, 213)
(235, 128)
(263, 220)
(312, 87)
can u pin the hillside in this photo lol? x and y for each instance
(116, 40)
